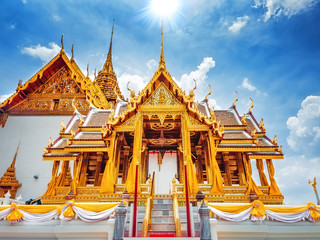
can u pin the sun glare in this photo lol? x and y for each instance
(164, 8)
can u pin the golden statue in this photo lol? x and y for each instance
(314, 184)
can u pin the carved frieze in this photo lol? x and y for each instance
(35, 105)
(66, 105)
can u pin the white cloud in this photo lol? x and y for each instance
(246, 85)
(305, 127)
(56, 18)
(249, 86)
(151, 64)
(237, 25)
(213, 103)
(292, 176)
(137, 83)
(42, 52)
(13, 26)
(4, 97)
(286, 8)
(24, 1)
(200, 75)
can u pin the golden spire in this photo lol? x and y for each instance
(108, 63)
(8, 181)
(15, 157)
(106, 79)
(162, 63)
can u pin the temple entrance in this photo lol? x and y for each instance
(165, 169)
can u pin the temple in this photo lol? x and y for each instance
(160, 130)
(160, 143)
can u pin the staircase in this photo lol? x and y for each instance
(162, 222)
(162, 219)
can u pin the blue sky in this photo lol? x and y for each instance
(266, 50)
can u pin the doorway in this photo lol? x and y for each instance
(165, 170)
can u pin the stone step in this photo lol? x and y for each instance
(163, 227)
(167, 206)
(162, 238)
(168, 201)
(160, 212)
(162, 219)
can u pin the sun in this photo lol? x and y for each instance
(157, 11)
(165, 9)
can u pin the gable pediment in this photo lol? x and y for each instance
(55, 96)
(162, 96)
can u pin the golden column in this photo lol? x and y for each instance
(186, 145)
(274, 190)
(108, 179)
(136, 155)
(217, 182)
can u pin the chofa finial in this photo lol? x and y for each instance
(235, 100)
(62, 47)
(250, 108)
(209, 93)
(72, 56)
(87, 70)
(132, 93)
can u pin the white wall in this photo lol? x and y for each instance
(33, 132)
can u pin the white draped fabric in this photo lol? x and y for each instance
(88, 216)
(32, 216)
(4, 213)
(284, 215)
(39, 217)
(233, 217)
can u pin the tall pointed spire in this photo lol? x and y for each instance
(8, 181)
(162, 63)
(108, 64)
(15, 157)
(106, 79)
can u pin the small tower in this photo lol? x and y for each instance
(8, 181)
(107, 80)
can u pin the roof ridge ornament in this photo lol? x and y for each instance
(236, 99)
(250, 108)
(88, 70)
(72, 55)
(209, 93)
(62, 47)
(162, 63)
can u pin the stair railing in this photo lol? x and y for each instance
(147, 217)
(176, 209)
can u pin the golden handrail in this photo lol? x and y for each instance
(176, 210)
(147, 217)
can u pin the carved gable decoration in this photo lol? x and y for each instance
(193, 121)
(162, 96)
(60, 83)
(56, 96)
